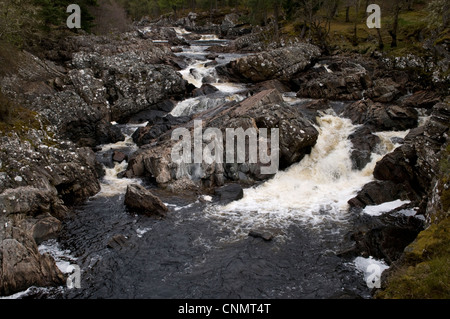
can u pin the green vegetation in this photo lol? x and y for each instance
(425, 267)
(426, 274)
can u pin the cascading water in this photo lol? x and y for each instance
(201, 250)
(311, 191)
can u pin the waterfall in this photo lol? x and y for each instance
(312, 191)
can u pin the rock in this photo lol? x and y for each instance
(421, 99)
(263, 110)
(337, 78)
(210, 64)
(140, 200)
(380, 117)
(205, 89)
(156, 127)
(378, 192)
(211, 56)
(282, 64)
(21, 264)
(261, 234)
(364, 144)
(229, 193)
(117, 242)
(411, 168)
(382, 237)
(119, 156)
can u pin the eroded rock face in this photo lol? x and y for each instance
(21, 264)
(39, 178)
(411, 167)
(263, 110)
(280, 64)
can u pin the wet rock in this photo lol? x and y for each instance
(364, 143)
(381, 117)
(421, 99)
(265, 235)
(117, 242)
(229, 193)
(382, 237)
(156, 127)
(263, 110)
(141, 200)
(280, 64)
(411, 168)
(378, 192)
(205, 89)
(334, 79)
(21, 264)
(119, 156)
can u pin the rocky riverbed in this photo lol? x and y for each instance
(97, 151)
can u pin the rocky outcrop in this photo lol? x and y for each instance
(263, 110)
(282, 64)
(40, 178)
(140, 200)
(21, 264)
(351, 78)
(381, 117)
(411, 167)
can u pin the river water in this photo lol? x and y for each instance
(202, 249)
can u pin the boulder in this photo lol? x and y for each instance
(119, 156)
(378, 192)
(140, 200)
(265, 235)
(21, 264)
(381, 117)
(282, 64)
(229, 193)
(263, 110)
(382, 237)
(364, 144)
(205, 89)
(421, 99)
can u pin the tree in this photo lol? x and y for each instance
(397, 7)
(18, 19)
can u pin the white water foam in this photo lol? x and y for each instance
(62, 257)
(312, 191)
(377, 210)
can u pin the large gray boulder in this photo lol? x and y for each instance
(264, 110)
(281, 63)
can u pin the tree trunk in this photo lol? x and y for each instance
(393, 32)
(276, 13)
(355, 35)
(380, 40)
(347, 16)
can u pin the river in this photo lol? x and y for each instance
(202, 249)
